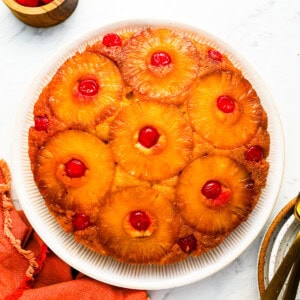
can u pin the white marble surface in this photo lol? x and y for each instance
(265, 32)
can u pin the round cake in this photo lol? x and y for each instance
(149, 145)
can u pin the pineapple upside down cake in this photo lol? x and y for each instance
(149, 146)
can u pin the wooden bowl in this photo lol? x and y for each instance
(47, 15)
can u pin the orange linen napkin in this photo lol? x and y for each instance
(29, 270)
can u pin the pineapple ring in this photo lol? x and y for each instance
(170, 154)
(73, 107)
(74, 193)
(225, 130)
(198, 211)
(162, 83)
(128, 245)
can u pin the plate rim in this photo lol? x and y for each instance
(158, 283)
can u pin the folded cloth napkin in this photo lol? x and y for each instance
(28, 268)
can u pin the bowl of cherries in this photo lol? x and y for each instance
(41, 13)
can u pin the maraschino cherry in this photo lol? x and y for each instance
(88, 87)
(148, 136)
(75, 168)
(41, 123)
(226, 104)
(80, 221)
(29, 3)
(254, 153)
(160, 59)
(215, 55)
(111, 40)
(188, 244)
(139, 220)
(33, 3)
(211, 189)
(215, 191)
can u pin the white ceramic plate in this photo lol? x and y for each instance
(106, 269)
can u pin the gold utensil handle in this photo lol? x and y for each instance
(293, 282)
(297, 210)
(275, 286)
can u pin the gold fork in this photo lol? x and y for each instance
(278, 280)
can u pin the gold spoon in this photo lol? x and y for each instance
(278, 280)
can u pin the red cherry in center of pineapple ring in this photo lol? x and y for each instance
(88, 87)
(226, 104)
(139, 220)
(148, 136)
(75, 168)
(80, 221)
(160, 59)
(212, 189)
